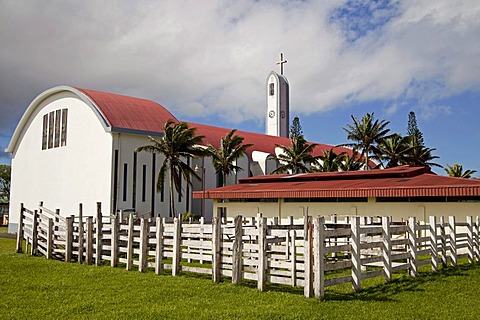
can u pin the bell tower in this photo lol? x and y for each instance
(278, 99)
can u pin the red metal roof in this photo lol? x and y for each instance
(261, 142)
(402, 181)
(128, 113)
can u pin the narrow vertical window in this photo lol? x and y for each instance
(125, 173)
(180, 182)
(58, 114)
(115, 180)
(134, 182)
(45, 132)
(144, 182)
(272, 89)
(154, 164)
(51, 123)
(64, 127)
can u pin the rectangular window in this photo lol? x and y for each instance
(134, 182)
(45, 132)
(115, 180)
(54, 129)
(154, 165)
(144, 182)
(272, 89)
(58, 114)
(125, 180)
(64, 127)
(179, 194)
(51, 123)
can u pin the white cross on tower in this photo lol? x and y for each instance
(281, 63)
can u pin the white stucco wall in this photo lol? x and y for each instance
(398, 210)
(62, 177)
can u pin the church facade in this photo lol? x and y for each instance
(75, 145)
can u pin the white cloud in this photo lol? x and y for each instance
(212, 57)
(430, 112)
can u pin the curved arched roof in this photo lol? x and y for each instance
(119, 113)
(128, 114)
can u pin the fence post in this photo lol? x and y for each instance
(216, 248)
(443, 240)
(130, 243)
(202, 222)
(114, 241)
(89, 241)
(177, 248)
(433, 243)
(356, 257)
(34, 233)
(293, 256)
(470, 240)
(477, 238)
(412, 246)
(20, 230)
(49, 237)
(262, 254)
(237, 253)
(453, 240)
(387, 249)
(142, 265)
(319, 257)
(159, 246)
(308, 257)
(334, 219)
(80, 233)
(68, 238)
(98, 235)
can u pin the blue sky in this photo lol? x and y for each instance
(207, 61)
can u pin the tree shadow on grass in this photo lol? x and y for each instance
(383, 292)
(386, 292)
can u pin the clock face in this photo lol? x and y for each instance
(271, 114)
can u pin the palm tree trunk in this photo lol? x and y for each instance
(172, 196)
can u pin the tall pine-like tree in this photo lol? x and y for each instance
(413, 130)
(296, 129)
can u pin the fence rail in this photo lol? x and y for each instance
(307, 252)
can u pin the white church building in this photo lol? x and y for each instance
(75, 145)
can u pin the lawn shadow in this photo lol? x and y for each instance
(387, 291)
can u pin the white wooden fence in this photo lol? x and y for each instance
(306, 252)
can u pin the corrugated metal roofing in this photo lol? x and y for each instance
(124, 113)
(261, 142)
(403, 181)
(128, 113)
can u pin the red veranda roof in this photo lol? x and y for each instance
(403, 181)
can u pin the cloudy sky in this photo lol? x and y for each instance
(207, 61)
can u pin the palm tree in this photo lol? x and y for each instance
(366, 133)
(351, 162)
(457, 171)
(297, 158)
(224, 158)
(329, 161)
(178, 143)
(421, 156)
(393, 150)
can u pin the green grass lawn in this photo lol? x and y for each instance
(34, 288)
